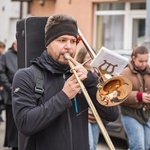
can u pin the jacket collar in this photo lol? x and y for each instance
(47, 63)
(135, 70)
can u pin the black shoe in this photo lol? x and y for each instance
(14, 148)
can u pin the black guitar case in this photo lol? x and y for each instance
(30, 39)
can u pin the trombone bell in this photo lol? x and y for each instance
(114, 91)
(111, 85)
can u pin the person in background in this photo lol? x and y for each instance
(83, 57)
(59, 120)
(2, 47)
(8, 67)
(2, 92)
(136, 109)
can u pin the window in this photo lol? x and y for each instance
(110, 6)
(138, 31)
(119, 25)
(109, 31)
(135, 6)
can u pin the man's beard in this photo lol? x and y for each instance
(62, 61)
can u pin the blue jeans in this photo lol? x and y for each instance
(138, 134)
(93, 135)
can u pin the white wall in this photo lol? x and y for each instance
(9, 15)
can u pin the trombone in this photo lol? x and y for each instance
(116, 82)
(111, 90)
(91, 105)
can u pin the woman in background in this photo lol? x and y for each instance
(136, 109)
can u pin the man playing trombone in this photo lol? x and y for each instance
(59, 120)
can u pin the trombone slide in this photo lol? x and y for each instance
(91, 105)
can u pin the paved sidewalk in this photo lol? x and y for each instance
(2, 131)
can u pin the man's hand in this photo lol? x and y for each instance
(72, 87)
(79, 68)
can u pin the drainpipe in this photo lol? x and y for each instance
(147, 25)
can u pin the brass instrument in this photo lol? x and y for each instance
(113, 90)
(91, 105)
(110, 92)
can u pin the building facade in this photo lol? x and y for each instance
(115, 24)
(9, 15)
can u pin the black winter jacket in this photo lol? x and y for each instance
(8, 67)
(52, 123)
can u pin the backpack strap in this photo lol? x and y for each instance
(38, 91)
(39, 81)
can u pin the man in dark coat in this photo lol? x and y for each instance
(59, 120)
(8, 67)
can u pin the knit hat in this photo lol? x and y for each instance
(64, 28)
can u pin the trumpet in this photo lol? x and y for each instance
(91, 105)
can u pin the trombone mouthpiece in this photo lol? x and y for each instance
(66, 55)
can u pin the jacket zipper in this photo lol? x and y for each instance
(70, 130)
(69, 121)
